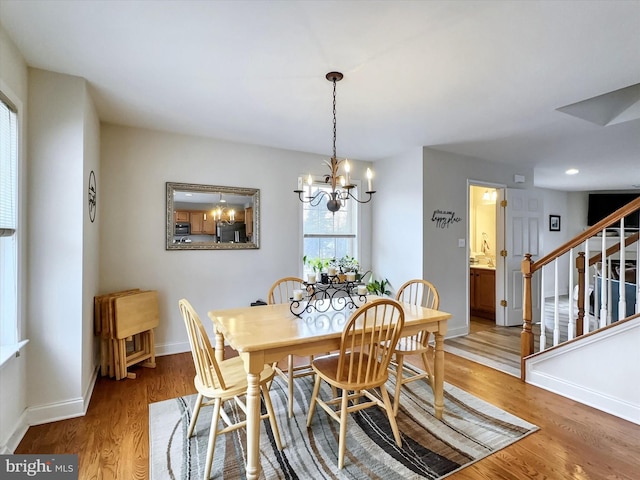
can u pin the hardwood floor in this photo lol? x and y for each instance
(574, 441)
(490, 345)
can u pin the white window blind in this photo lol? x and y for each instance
(329, 235)
(8, 168)
(8, 227)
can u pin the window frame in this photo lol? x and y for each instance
(356, 227)
(12, 343)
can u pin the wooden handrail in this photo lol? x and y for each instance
(615, 248)
(588, 233)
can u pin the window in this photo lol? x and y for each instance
(329, 235)
(8, 227)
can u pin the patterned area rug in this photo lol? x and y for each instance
(432, 449)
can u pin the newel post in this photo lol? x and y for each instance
(580, 262)
(526, 337)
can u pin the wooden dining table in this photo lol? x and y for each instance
(266, 334)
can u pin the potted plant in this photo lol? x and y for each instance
(315, 263)
(379, 287)
(348, 264)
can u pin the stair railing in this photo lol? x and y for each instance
(600, 267)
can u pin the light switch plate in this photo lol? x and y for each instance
(461, 242)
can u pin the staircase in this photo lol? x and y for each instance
(603, 319)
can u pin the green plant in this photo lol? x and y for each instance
(316, 264)
(379, 287)
(347, 264)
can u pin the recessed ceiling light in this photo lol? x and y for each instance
(572, 171)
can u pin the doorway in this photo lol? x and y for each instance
(484, 244)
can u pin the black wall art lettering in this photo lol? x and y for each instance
(444, 218)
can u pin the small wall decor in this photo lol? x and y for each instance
(444, 218)
(554, 223)
(93, 200)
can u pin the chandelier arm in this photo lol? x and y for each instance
(350, 195)
(313, 200)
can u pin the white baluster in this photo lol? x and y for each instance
(556, 306)
(589, 277)
(604, 276)
(571, 328)
(543, 326)
(609, 290)
(622, 291)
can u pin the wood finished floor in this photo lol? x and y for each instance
(574, 441)
(490, 345)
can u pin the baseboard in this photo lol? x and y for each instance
(19, 430)
(89, 390)
(457, 332)
(53, 412)
(172, 348)
(592, 398)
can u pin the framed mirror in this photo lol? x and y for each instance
(212, 217)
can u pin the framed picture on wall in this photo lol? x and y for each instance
(554, 223)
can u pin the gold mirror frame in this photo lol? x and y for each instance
(206, 198)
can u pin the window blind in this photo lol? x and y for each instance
(8, 168)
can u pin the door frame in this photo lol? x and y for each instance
(500, 245)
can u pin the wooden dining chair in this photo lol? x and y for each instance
(416, 292)
(281, 292)
(360, 366)
(217, 382)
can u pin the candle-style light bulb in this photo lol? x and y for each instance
(232, 215)
(369, 182)
(347, 169)
(309, 183)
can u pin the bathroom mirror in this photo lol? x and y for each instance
(212, 217)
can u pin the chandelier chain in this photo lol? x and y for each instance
(334, 118)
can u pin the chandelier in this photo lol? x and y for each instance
(341, 186)
(222, 211)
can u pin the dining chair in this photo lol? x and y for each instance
(416, 292)
(281, 292)
(217, 382)
(360, 366)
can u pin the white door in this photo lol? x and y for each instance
(501, 261)
(523, 221)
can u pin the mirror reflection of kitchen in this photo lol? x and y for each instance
(482, 253)
(212, 217)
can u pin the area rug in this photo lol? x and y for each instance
(498, 348)
(432, 449)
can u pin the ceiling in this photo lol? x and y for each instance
(477, 78)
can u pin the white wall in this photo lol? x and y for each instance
(90, 247)
(13, 374)
(136, 164)
(577, 371)
(60, 320)
(557, 203)
(398, 217)
(445, 188)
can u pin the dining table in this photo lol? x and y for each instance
(268, 333)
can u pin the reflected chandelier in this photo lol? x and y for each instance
(221, 210)
(341, 186)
